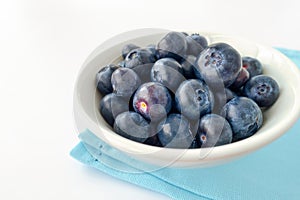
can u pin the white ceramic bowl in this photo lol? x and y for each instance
(277, 120)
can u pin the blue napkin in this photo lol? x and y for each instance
(270, 173)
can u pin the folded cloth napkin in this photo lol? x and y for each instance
(272, 172)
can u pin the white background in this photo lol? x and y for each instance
(42, 46)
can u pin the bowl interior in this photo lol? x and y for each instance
(277, 119)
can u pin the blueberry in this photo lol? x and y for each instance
(244, 116)
(173, 45)
(173, 107)
(252, 65)
(187, 65)
(238, 91)
(153, 141)
(175, 132)
(219, 61)
(168, 72)
(194, 144)
(185, 33)
(103, 78)
(144, 72)
(152, 48)
(130, 102)
(229, 94)
(199, 39)
(214, 130)
(132, 125)
(121, 63)
(222, 97)
(153, 101)
(194, 99)
(193, 47)
(263, 89)
(124, 82)
(153, 138)
(138, 57)
(111, 106)
(127, 48)
(241, 79)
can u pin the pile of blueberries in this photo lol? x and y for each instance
(184, 93)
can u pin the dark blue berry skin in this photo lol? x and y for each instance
(241, 79)
(121, 63)
(221, 97)
(187, 65)
(199, 39)
(153, 101)
(197, 72)
(144, 72)
(124, 82)
(168, 72)
(217, 62)
(152, 48)
(194, 99)
(252, 65)
(131, 102)
(226, 95)
(153, 141)
(103, 78)
(173, 108)
(194, 144)
(262, 89)
(214, 130)
(244, 116)
(193, 47)
(185, 33)
(138, 57)
(111, 106)
(127, 48)
(133, 126)
(229, 94)
(175, 132)
(173, 45)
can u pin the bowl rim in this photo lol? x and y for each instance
(188, 155)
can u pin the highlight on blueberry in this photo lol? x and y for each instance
(153, 101)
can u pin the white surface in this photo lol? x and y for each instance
(277, 120)
(42, 46)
